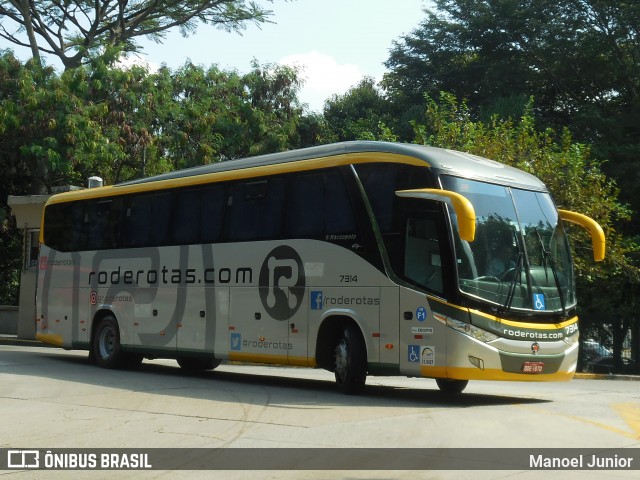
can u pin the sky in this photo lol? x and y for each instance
(336, 42)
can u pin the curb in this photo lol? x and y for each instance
(605, 376)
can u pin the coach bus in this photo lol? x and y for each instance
(361, 258)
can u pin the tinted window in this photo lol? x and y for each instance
(318, 206)
(255, 210)
(382, 180)
(57, 226)
(211, 213)
(185, 228)
(197, 215)
(146, 220)
(422, 258)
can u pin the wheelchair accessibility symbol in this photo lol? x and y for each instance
(538, 301)
(414, 353)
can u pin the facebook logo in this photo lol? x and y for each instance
(316, 300)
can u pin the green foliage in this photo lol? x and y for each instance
(78, 31)
(210, 115)
(125, 123)
(359, 114)
(580, 59)
(10, 259)
(575, 180)
(42, 126)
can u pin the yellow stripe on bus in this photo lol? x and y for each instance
(50, 338)
(272, 359)
(534, 326)
(239, 174)
(462, 373)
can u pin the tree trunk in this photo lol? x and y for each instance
(26, 14)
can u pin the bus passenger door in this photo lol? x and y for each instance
(423, 335)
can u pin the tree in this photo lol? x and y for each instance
(215, 115)
(358, 114)
(74, 31)
(47, 131)
(567, 53)
(580, 59)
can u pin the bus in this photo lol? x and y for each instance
(361, 258)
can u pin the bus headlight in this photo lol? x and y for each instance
(572, 340)
(471, 330)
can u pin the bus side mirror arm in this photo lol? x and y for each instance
(594, 229)
(462, 206)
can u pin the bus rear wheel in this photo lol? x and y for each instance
(350, 361)
(197, 364)
(447, 385)
(106, 350)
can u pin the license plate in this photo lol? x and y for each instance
(532, 367)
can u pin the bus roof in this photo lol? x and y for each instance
(442, 160)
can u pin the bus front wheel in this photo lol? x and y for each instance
(350, 365)
(446, 385)
(106, 344)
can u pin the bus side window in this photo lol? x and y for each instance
(422, 261)
(197, 215)
(319, 207)
(339, 211)
(305, 207)
(255, 210)
(211, 214)
(102, 220)
(147, 220)
(58, 231)
(186, 216)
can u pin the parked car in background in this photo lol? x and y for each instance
(606, 365)
(592, 351)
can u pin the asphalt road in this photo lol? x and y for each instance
(54, 399)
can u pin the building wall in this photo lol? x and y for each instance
(8, 320)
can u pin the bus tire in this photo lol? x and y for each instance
(197, 364)
(350, 361)
(447, 385)
(106, 344)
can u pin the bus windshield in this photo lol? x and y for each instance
(520, 257)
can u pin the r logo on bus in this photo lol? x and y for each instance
(282, 282)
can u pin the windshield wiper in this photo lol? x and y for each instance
(548, 259)
(512, 287)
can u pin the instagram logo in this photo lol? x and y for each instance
(282, 282)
